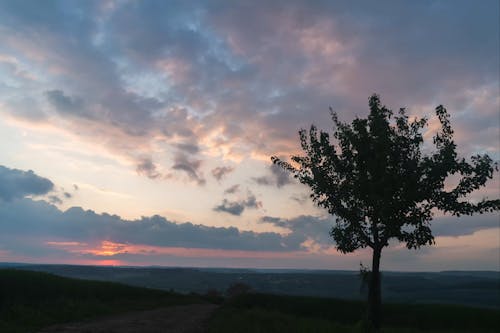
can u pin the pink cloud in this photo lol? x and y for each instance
(110, 249)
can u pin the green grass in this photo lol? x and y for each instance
(262, 313)
(32, 300)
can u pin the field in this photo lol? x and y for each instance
(263, 313)
(32, 300)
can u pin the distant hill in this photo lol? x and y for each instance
(476, 288)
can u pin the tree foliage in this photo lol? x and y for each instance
(377, 181)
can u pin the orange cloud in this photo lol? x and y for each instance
(107, 248)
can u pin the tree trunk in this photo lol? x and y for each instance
(374, 293)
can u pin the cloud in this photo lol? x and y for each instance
(237, 207)
(18, 184)
(232, 189)
(221, 172)
(278, 177)
(26, 223)
(318, 228)
(251, 202)
(231, 207)
(148, 168)
(64, 103)
(313, 228)
(190, 148)
(206, 72)
(191, 167)
(465, 225)
(37, 231)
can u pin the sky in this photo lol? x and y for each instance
(140, 132)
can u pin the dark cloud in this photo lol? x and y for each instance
(36, 222)
(148, 168)
(67, 195)
(318, 228)
(65, 103)
(18, 184)
(277, 177)
(190, 148)
(220, 172)
(237, 207)
(465, 225)
(48, 17)
(252, 202)
(184, 160)
(310, 227)
(232, 189)
(168, 32)
(231, 207)
(191, 167)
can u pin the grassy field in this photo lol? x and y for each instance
(32, 300)
(270, 313)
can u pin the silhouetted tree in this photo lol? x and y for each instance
(379, 185)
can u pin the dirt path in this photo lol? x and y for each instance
(175, 319)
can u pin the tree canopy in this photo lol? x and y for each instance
(376, 180)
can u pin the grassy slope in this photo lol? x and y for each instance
(31, 300)
(270, 313)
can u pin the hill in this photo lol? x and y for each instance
(32, 300)
(467, 288)
(264, 313)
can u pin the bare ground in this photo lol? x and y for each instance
(176, 319)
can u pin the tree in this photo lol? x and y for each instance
(376, 180)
